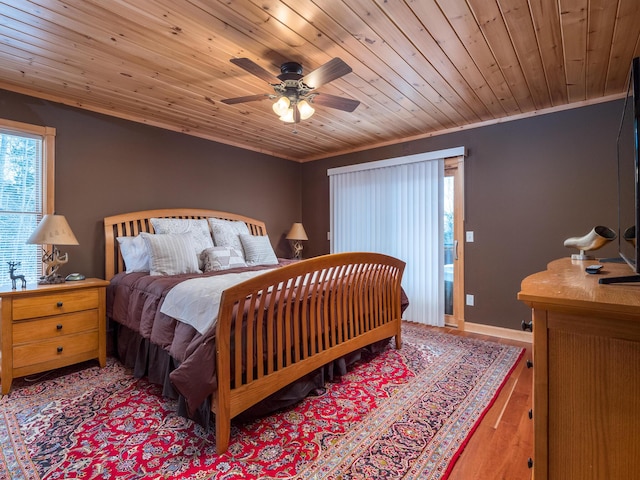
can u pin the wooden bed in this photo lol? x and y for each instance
(297, 318)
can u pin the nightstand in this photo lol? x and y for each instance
(51, 326)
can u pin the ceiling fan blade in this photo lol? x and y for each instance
(255, 69)
(331, 101)
(326, 73)
(248, 98)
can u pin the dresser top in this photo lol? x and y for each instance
(7, 291)
(566, 285)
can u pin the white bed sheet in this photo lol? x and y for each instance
(196, 301)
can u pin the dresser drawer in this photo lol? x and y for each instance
(54, 327)
(54, 349)
(55, 303)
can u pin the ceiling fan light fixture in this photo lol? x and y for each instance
(293, 90)
(305, 109)
(281, 107)
(288, 116)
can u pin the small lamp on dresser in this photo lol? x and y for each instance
(296, 235)
(53, 230)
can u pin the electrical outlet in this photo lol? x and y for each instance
(470, 300)
(469, 237)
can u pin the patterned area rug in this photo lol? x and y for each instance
(400, 414)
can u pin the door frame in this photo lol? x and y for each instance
(454, 167)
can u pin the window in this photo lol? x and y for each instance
(26, 194)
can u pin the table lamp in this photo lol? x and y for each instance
(53, 230)
(295, 236)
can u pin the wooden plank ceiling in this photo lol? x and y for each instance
(419, 66)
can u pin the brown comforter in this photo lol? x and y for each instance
(134, 301)
(171, 351)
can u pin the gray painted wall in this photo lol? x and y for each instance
(529, 185)
(106, 166)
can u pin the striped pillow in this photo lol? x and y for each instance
(171, 254)
(197, 228)
(258, 250)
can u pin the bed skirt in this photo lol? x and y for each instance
(156, 364)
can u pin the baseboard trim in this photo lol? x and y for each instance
(499, 332)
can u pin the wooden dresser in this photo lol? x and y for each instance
(586, 361)
(51, 326)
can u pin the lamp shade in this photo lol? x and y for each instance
(305, 109)
(281, 106)
(297, 232)
(287, 117)
(53, 230)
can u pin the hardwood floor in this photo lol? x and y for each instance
(503, 442)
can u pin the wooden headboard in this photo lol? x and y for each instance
(131, 224)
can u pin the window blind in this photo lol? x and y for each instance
(21, 202)
(396, 207)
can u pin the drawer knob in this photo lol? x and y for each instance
(59, 349)
(529, 364)
(59, 304)
(59, 326)
(527, 326)
(530, 463)
(530, 414)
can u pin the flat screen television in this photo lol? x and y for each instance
(628, 193)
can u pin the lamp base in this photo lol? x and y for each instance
(53, 261)
(51, 279)
(296, 246)
(581, 256)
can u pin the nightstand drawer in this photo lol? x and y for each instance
(55, 327)
(55, 303)
(54, 349)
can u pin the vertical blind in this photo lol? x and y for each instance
(396, 207)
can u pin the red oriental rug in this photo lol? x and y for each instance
(400, 414)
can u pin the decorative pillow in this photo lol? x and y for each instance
(222, 258)
(258, 250)
(171, 254)
(197, 228)
(134, 253)
(226, 233)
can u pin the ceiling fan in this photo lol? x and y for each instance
(295, 92)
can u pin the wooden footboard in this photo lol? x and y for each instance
(297, 319)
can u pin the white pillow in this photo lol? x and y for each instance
(171, 254)
(258, 250)
(222, 258)
(134, 253)
(226, 233)
(197, 228)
